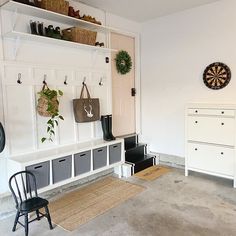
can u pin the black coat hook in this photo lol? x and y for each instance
(84, 82)
(44, 80)
(65, 82)
(19, 79)
(101, 83)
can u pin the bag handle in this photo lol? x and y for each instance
(45, 86)
(82, 92)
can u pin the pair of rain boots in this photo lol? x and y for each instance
(107, 127)
(36, 28)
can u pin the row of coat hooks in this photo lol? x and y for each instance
(19, 81)
(100, 83)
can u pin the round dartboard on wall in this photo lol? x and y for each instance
(217, 75)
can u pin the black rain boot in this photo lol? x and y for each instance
(110, 127)
(106, 136)
(40, 29)
(33, 27)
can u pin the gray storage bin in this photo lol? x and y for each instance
(99, 157)
(41, 172)
(61, 168)
(82, 162)
(114, 153)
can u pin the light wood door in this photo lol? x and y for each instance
(123, 103)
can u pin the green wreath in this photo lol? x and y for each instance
(123, 62)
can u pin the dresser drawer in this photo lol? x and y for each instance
(211, 112)
(218, 130)
(219, 160)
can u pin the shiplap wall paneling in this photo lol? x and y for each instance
(67, 131)
(20, 113)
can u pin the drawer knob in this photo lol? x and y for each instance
(222, 153)
(222, 112)
(196, 122)
(196, 111)
(195, 149)
(222, 123)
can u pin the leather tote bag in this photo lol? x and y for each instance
(2, 138)
(86, 109)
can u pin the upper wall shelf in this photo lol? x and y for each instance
(52, 16)
(42, 39)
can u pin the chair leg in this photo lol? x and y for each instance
(37, 213)
(16, 221)
(26, 225)
(48, 217)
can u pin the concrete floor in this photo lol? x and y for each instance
(171, 205)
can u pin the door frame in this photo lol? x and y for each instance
(137, 78)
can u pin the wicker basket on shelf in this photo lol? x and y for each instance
(58, 6)
(80, 35)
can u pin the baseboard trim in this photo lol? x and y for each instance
(170, 160)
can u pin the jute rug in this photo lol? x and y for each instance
(152, 172)
(78, 207)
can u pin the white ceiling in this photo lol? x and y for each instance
(144, 10)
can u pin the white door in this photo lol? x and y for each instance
(123, 103)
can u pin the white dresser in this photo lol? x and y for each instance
(210, 140)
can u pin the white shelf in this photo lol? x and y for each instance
(45, 155)
(64, 43)
(52, 16)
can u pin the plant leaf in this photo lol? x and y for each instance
(61, 117)
(43, 140)
(60, 92)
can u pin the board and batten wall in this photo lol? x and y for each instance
(24, 127)
(175, 51)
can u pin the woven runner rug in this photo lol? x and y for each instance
(78, 207)
(152, 172)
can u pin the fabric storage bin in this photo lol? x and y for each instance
(114, 153)
(41, 172)
(61, 168)
(82, 162)
(99, 157)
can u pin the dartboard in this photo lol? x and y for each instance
(217, 75)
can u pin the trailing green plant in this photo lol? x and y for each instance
(49, 98)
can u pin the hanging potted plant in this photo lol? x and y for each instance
(48, 106)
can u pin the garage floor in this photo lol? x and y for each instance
(171, 205)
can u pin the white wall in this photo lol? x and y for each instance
(33, 56)
(175, 51)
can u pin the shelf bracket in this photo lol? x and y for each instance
(14, 19)
(16, 47)
(94, 55)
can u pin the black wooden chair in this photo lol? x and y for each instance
(24, 190)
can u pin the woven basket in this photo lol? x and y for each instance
(80, 35)
(42, 105)
(59, 6)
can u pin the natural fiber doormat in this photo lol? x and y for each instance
(78, 207)
(152, 172)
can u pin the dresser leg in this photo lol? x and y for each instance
(234, 183)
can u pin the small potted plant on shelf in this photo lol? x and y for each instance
(48, 106)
